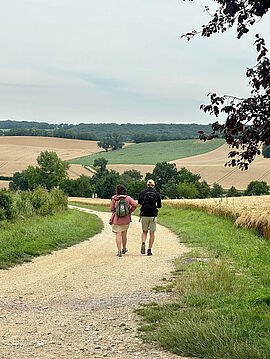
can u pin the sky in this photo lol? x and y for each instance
(66, 61)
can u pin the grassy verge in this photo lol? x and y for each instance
(222, 310)
(23, 240)
(223, 306)
(152, 152)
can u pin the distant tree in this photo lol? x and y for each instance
(266, 151)
(134, 174)
(104, 144)
(187, 190)
(187, 176)
(232, 192)
(169, 190)
(100, 163)
(130, 176)
(163, 172)
(217, 191)
(257, 188)
(105, 184)
(203, 189)
(80, 187)
(134, 188)
(113, 141)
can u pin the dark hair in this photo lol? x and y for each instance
(120, 189)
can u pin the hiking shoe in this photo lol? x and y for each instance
(143, 248)
(149, 252)
(124, 251)
(119, 254)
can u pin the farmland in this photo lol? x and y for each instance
(152, 152)
(251, 212)
(17, 153)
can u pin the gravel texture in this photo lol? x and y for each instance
(79, 302)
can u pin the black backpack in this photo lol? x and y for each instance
(149, 201)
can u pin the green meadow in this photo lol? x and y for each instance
(152, 152)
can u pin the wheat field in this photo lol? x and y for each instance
(250, 212)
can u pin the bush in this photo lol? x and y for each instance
(23, 205)
(6, 204)
(58, 201)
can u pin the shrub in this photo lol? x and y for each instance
(6, 204)
(57, 201)
(23, 205)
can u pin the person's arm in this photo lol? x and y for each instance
(112, 205)
(133, 205)
(158, 200)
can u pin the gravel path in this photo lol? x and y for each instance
(79, 302)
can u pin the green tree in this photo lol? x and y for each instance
(19, 182)
(134, 188)
(204, 189)
(187, 176)
(100, 163)
(217, 190)
(187, 190)
(169, 190)
(164, 172)
(232, 192)
(52, 169)
(257, 188)
(113, 141)
(105, 184)
(266, 151)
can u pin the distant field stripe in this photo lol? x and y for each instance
(152, 152)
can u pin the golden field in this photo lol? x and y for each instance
(18, 152)
(251, 212)
(211, 168)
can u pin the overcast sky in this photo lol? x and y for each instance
(116, 61)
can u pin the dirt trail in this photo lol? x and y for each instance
(79, 302)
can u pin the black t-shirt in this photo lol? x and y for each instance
(153, 211)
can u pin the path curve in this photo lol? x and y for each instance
(79, 302)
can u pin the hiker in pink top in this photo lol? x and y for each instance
(122, 206)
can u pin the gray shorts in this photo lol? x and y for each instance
(149, 224)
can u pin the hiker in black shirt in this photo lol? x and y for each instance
(150, 201)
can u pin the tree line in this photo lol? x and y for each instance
(99, 131)
(51, 172)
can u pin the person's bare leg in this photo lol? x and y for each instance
(151, 240)
(124, 240)
(144, 235)
(118, 241)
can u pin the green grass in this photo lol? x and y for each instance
(152, 152)
(222, 310)
(23, 240)
(223, 306)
